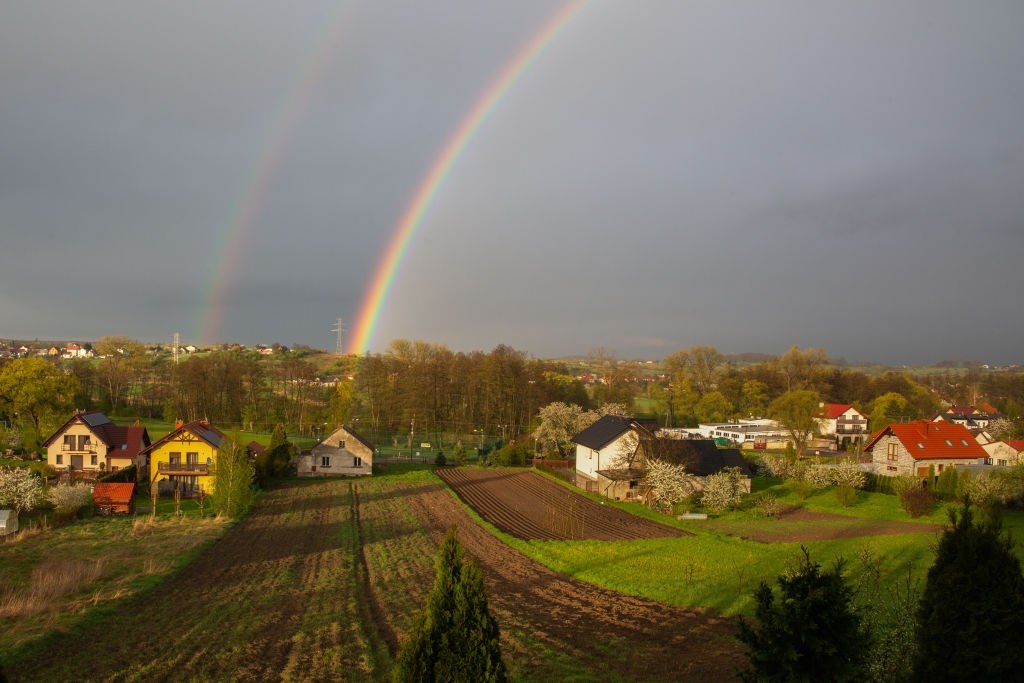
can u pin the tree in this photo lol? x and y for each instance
(887, 409)
(666, 484)
(557, 424)
(802, 369)
(797, 412)
(455, 637)
(120, 366)
(813, 633)
(713, 407)
(35, 390)
(20, 490)
(723, 490)
(754, 397)
(232, 487)
(971, 613)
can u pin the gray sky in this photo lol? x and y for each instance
(667, 173)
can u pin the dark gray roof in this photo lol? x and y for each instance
(609, 428)
(94, 419)
(700, 457)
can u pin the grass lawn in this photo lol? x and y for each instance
(52, 578)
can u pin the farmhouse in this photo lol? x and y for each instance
(89, 443)
(611, 443)
(612, 454)
(902, 449)
(186, 459)
(344, 452)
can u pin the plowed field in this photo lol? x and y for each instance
(322, 581)
(529, 506)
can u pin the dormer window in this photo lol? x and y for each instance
(920, 445)
(949, 443)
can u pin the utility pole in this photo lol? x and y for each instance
(339, 328)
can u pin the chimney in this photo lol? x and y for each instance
(179, 423)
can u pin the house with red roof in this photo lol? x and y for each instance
(975, 418)
(89, 443)
(914, 447)
(846, 425)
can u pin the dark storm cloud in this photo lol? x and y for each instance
(665, 174)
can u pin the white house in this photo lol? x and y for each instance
(611, 442)
(843, 423)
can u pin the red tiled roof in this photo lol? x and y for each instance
(933, 440)
(1016, 444)
(113, 493)
(834, 410)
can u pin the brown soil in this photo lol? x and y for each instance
(625, 638)
(529, 506)
(797, 525)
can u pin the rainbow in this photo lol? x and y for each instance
(213, 309)
(384, 276)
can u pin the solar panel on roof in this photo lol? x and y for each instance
(95, 419)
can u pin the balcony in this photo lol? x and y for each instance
(182, 468)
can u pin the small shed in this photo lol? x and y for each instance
(111, 497)
(8, 522)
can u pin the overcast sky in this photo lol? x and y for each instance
(846, 175)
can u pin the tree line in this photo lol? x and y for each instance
(417, 391)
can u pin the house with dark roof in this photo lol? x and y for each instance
(186, 459)
(344, 452)
(914, 447)
(612, 454)
(975, 418)
(611, 443)
(89, 443)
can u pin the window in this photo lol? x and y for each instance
(192, 458)
(633, 483)
(60, 459)
(891, 468)
(357, 461)
(174, 458)
(69, 442)
(325, 461)
(893, 452)
(341, 444)
(83, 442)
(92, 459)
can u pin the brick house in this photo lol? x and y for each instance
(902, 449)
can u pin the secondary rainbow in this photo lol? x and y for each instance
(384, 276)
(213, 309)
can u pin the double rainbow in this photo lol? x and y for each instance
(384, 276)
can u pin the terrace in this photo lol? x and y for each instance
(183, 468)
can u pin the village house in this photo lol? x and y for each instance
(343, 452)
(975, 418)
(612, 454)
(89, 443)
(913, 448)
(846, 426)
(186, 459)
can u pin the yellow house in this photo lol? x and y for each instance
(186, 459)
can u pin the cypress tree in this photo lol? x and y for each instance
(455, 637)
(971, 615)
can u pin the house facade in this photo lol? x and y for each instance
(844, 424)
(913, 448)
(344, 452)
(611, 443)
(186, 459)
(90, 444)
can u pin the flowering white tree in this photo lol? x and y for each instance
(666, 484)
(558, 424)
(19, 489)
(723, 490)
(70, 497)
